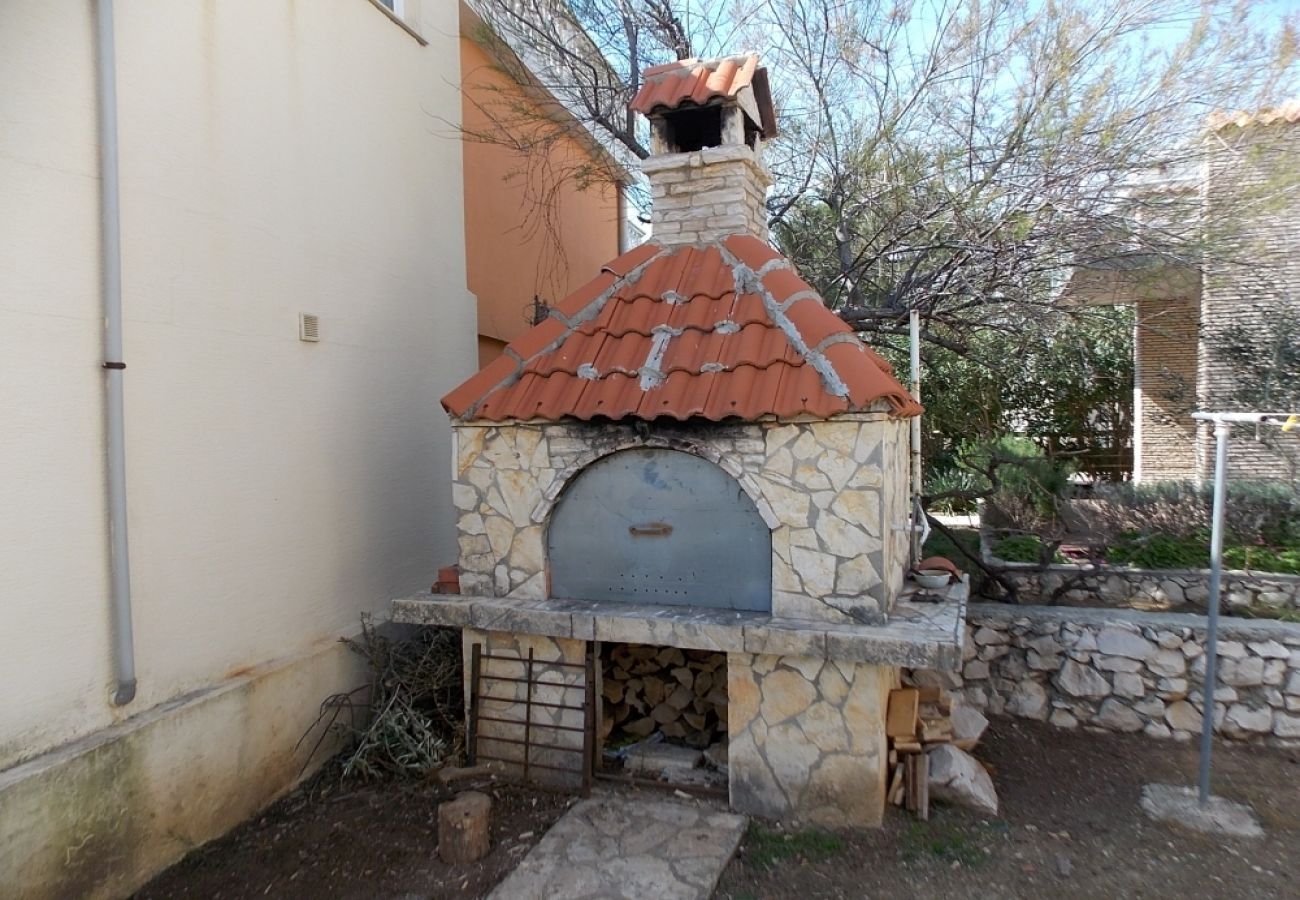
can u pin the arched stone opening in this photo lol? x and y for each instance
(659, 526)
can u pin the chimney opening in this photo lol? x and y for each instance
(688, 130)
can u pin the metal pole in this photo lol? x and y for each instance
(914, 327)
(1221, 429)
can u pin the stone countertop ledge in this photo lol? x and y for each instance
(918, 634)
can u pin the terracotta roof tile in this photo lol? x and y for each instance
(664, 333)
(694, 80)
(1287, 113)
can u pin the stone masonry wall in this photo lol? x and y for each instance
(1165, 371)
(1149, 589)
(707, 194)
(1252, 264)
(1129, 671)
(830, 491)
(807, 738)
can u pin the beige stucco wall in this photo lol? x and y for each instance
(276, 157)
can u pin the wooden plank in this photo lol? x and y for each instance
(901, 719)
(929, 694)
(909, 782)
(922, 786)
(935, 730)
(895, 793)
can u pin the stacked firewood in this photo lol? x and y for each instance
(681, 693)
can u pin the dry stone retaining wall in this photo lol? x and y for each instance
(1150, 589)
(1129, 671)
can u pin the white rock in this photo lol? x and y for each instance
(968, 725)
(1115, 716)
(1293, 685)
(1028, 700)
(1150, 708)
(1242, 672)
(1172, 688)
(1047, 645)
(1231, 649)
(1285, 726)
(1168, 640)
(1122, 642)
(1081, 681)
(975, 670)
(957, 777)
(1183, 716)
(976, 697)
(1257, 721)
(1086, 642)
(1168, 663)
(1274, 671)
(986, 635)
(1129, 685)
(1040, 663)
(936, 678)
(1269, 649)
(1118, 664)
(1157, 730)
(1062, 718)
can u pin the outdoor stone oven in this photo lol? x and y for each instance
(692, 451)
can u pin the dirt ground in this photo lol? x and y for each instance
(1070, 827)
(367, 841)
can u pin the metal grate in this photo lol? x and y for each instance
(532, 735)
(308, 327)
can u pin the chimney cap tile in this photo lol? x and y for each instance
(700, 82)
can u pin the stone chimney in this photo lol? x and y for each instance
(708, 122)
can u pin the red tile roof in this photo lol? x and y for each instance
(714, 331)
(698, 82)
(1287, 113)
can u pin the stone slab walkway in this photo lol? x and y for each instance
(617, 846)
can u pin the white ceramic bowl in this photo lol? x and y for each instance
(932, 578)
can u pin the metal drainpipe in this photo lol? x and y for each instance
(914, 332)
(114, 417)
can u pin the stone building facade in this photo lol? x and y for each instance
(1248, 218)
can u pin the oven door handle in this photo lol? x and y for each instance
(650, 529)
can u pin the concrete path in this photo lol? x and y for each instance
(618, 846)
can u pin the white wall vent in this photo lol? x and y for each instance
(308, 327)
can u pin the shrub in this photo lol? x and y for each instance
(1024, 486)
(1026, 548)
(1256, 512)
(1161, 551)
(952, 480)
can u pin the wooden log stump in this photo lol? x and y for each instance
(463, 832)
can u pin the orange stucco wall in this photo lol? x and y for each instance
(529, 230)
